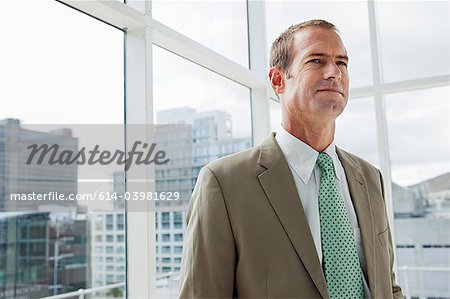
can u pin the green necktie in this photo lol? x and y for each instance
(340, 257)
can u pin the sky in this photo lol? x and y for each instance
(60, 66)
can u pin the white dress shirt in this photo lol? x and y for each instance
(302, 161)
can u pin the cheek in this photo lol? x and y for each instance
(345, 78)
(292, 89)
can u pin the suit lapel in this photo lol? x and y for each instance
(279, 186)
(360, 198)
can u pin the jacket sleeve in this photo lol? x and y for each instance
(396, 289)
(208, 263)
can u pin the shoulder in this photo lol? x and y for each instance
(235, 163)
(361, 165)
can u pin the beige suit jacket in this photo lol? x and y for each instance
(247, 235)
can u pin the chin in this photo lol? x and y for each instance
(337, 100)
(333, 107)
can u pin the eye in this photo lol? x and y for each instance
(342, 63)
(316, 60)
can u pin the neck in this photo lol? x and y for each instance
(317, 136)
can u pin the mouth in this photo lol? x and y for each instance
(332, 90)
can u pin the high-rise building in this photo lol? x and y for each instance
(107, 247)
(19, 177)
(42, 254)
(24, 264)
(45, 242)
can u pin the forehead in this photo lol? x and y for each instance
(317, 40)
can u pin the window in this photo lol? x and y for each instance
(419, 162)
(165, 216)
(98, 225)
(120, 222)
(109, 268)
(220, 25)
(78, 78)
(429, 18)
(120, 259)
(430, 155)
(221, 99)
(109, 278)
(166, 237)
(178, 220)
(120, 218)
(356, 129)
(165, 219)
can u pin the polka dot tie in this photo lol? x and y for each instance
(340, 257)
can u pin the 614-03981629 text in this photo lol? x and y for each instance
(102, 196)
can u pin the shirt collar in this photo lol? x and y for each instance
(302, 157)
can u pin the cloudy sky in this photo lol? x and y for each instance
(60, 66)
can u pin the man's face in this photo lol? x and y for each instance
(316, 84)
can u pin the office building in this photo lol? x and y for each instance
(422, 219)
(19, 177)
(107, 247)
(42, 254)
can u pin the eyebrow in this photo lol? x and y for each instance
(345, 57)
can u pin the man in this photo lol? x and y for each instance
(295, 217)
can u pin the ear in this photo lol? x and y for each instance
(276, 80)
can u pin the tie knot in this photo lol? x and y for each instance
(325, 163)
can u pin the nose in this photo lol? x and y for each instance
(332, 71)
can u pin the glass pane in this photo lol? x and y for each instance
(219, 112)
(351, 18)
(59, 69)
(356, 130)
(275, 116)
(219, 25)
(419, 130)
(414, 38)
